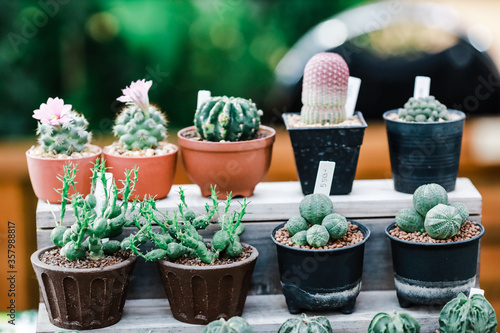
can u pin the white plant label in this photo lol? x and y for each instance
(422, 86)
(353, 85)
(203, 95)
(474, 291)
(324, 178)
(99, 190)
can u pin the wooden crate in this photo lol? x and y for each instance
(371, 202)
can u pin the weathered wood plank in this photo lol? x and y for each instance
(279, 201)
(264, 314)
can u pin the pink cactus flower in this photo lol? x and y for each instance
(137, 93)
(54, 112)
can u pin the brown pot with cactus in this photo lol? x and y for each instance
(142, 129)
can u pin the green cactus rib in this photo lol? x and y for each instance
(398, 323)
(423, 109)
(409, 220)
(427, 196)
(442, 222)
(227, 119)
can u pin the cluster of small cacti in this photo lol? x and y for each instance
(324, 89)
(181, 237)
(232, 325)
(423, 109)
(140, 125)
(304, 324)
(317, 223)
(432, 213)
(94, 221)
(397, 323)
(227, 119)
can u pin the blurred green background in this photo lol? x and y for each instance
(86, 51)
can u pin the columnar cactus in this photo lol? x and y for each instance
(60, 129)
(140, 125)
(306, 324)
(397, 323)
(324, 89)
(423, 109)
(442, 221)
(227, 119)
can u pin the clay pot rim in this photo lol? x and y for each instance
(417, 244)
(253, 257)
(436, 123)
(363, 125)
(226, 146)
(345, 248)
(35, 260)
(28, 155)
(176, 149)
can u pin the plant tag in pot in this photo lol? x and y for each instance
(353, 85)
(422, 86)
(203, 95)
(474, 291)
(324, 177)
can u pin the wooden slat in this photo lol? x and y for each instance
(279, 201)
(263, 313)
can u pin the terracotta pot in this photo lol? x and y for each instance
(235, 167)
(201, 294)
(156, 173)
(81, 299)
(44, 174)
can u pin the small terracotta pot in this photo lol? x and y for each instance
(44, 174)
(201, 294)
(155, 176)
(235, 167)
(82, 299)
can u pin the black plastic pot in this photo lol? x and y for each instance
(423, 153)
(433, 273)
(321, 280)
(336, 144)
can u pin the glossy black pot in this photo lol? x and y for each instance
(433, 273)
(321, 280)
(312, 145)
(423, 153)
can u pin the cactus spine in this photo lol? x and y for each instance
(324, 89)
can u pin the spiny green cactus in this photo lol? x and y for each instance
(324, 89)
(227, 119)
(410, 220)
(233, 325)
(397, 323)
(423, 109)
(296, 224)
(306, 324)
(314, 207)
(442, 222)
(427, 196)
(336, 225)
(468, 315)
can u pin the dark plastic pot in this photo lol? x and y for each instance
(321, 280)
(336, 144)
(433, 273)
(83, 299)
(423, 153)
(201, 294)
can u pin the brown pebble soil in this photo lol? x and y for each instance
(223, 260)
(467, 231)
(54, 258)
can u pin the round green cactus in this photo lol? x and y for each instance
(336, 225)
(314, 207)
(427, 196)
(317, 236)
(305, 324)
(462, 210)
(423, 109)
(442, 221)
(397, 323)
(137, 129)
(464, 315)
(300, 238)
(409, 220)
(233, 325)
(227, 119)
(296, 224)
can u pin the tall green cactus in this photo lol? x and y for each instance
(324, 89)
(227, 119)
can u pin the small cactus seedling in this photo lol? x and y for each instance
(60, 129)
(397, 323)
(305, 324)
(314, 207)
(427, 196)
(296, 224)
(410, 220)
(462, 210)
(227, 119)
(324, 89)
(140, 125)
(442, 221)
(423, 109)
(232, 325)
(336, 225)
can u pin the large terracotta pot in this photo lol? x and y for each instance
(156, 173)
(82, 299)
(235, 167)
(201, 294)
(44, 173)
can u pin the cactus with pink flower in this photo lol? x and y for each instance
(324, 89)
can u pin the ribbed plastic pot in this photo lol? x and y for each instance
(156, 173)
(423, 153)
(433, 273)
(235, 167)
(82, 299)
(312, 145)
(44, 174)
(321, 280)
(201, 294)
